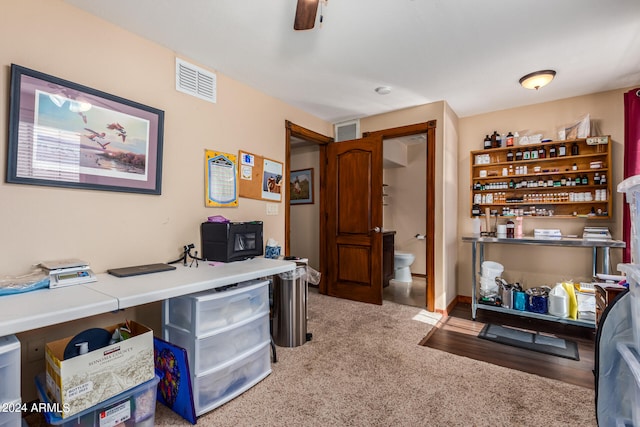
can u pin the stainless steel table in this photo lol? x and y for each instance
(477, 246)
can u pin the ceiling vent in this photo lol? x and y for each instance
(346, 131)
(195, 81)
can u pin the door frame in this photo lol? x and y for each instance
(293, 130)
(429, 128)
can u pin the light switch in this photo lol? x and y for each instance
(272, 209)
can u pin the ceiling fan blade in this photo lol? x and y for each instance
(306, 12)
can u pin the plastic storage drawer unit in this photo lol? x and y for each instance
(134, 408)
(207, 311)
(223, 345)
(11, 413)
(9, 369)
(631, 188)
(633, 279)
(214, 388)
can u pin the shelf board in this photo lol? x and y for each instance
(539, 174)
(576, 322)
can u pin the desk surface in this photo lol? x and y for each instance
(564, 241)
(138, 290)
(46, 307)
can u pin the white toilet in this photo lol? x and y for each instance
(401, 263)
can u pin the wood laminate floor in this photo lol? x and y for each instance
(457, 334)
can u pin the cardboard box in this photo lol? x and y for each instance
(86, 380)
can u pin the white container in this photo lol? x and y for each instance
(9, 369)
(135, 407)
(208, 311)
(222, 346)
(631, 188)
(11, 414)
(491, 269)
(559, 301)
(633, 278)
(216, 387)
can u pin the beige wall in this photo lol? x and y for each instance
(402, 213)
(305, 219)
(541, 265)
(112, 229)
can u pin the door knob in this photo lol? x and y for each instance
(376, 229)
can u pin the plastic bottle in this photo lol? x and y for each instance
(559, 301)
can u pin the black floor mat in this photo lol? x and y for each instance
(530, 341)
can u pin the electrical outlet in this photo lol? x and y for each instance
(272, 209)
(35, 350)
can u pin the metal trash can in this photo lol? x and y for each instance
(289, 314)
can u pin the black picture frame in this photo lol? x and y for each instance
(64, 134)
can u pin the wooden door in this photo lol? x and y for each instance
(354, 219)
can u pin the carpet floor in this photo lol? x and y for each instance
(365, 367)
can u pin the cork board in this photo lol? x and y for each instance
(260, 178)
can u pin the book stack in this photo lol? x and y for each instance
(68, 272)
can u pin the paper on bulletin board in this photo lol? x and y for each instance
(221, 185)
(272, 180)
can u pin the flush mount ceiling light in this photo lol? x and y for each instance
(537, 79)
(383, 90)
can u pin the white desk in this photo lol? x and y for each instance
(138, 290)
(46, 307)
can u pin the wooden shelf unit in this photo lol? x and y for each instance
(565, 201)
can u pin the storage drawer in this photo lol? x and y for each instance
(11, 413)
(206, 312)
(231, 379)
(9, 368)
(213, 350)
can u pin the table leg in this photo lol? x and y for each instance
(473, 280)
(605, 259)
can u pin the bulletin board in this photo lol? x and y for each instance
(260, 178)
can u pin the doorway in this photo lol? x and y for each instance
(296, 135)
(428, 130)
(304, 149)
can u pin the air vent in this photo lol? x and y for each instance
(195, 81)
(345, 131)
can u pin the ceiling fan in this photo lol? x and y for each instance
(306, 12)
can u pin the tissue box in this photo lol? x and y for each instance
(272, 252)
(83, 381)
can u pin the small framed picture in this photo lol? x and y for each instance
(301, 187)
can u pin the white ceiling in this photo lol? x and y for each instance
(470, 53)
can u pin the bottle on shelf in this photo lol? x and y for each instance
(596, 179)
(510, 156)
(562, 150)
(575, 150)
(603, 179)
(509, 140)
(574, 167)
(487, 142)
(542, 152)
(553, 152)
(495, 139)
(519, 154)
(585, 179)
(526, 154)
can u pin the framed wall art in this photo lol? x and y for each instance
(301, 187)
(67, 135)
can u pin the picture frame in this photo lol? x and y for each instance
(301, 187)
(64, 134)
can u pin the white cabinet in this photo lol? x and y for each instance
(10, 414)
(227, 337)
